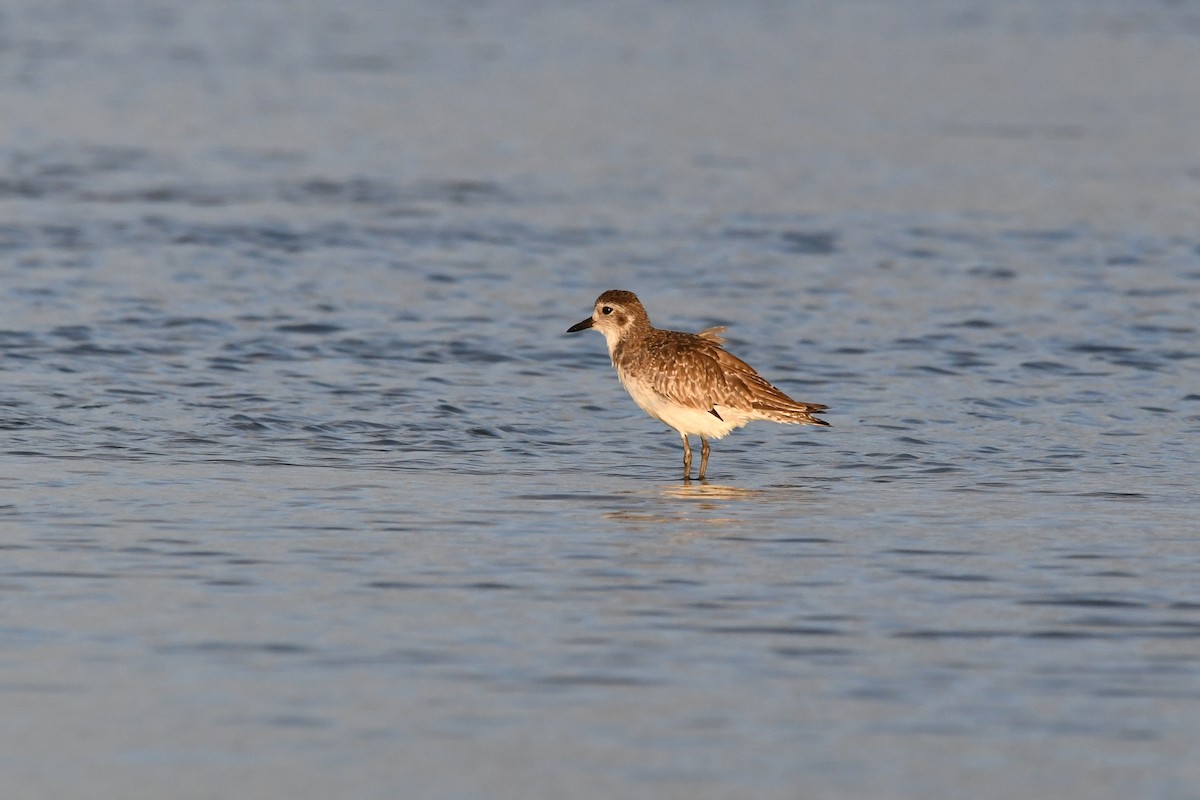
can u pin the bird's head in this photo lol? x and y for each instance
(616, 313)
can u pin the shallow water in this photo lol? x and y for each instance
(307, 494)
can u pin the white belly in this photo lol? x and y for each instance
(683, 419)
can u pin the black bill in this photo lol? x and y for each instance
(580, 326)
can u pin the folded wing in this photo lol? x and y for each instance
(704, 376)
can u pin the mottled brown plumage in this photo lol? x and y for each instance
(688, 380)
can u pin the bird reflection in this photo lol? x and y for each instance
(710, 491)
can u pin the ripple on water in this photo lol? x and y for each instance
(270, 332)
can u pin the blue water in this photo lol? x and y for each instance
(307, 493)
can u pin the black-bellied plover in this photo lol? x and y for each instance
(688, 380)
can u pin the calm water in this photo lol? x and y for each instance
(307, 494)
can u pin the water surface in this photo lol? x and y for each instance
(306, 492)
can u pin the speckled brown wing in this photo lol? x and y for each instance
(701, 374)
(764, 397)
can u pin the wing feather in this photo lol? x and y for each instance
(701, 374)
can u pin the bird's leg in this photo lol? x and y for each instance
(687, 458)
(703, 456)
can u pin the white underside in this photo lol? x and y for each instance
(688, 421)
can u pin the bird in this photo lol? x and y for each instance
(688, 381)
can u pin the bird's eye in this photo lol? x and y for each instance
(606, 310)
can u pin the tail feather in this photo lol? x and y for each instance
(800, 414)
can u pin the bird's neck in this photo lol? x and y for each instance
(618, 342)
